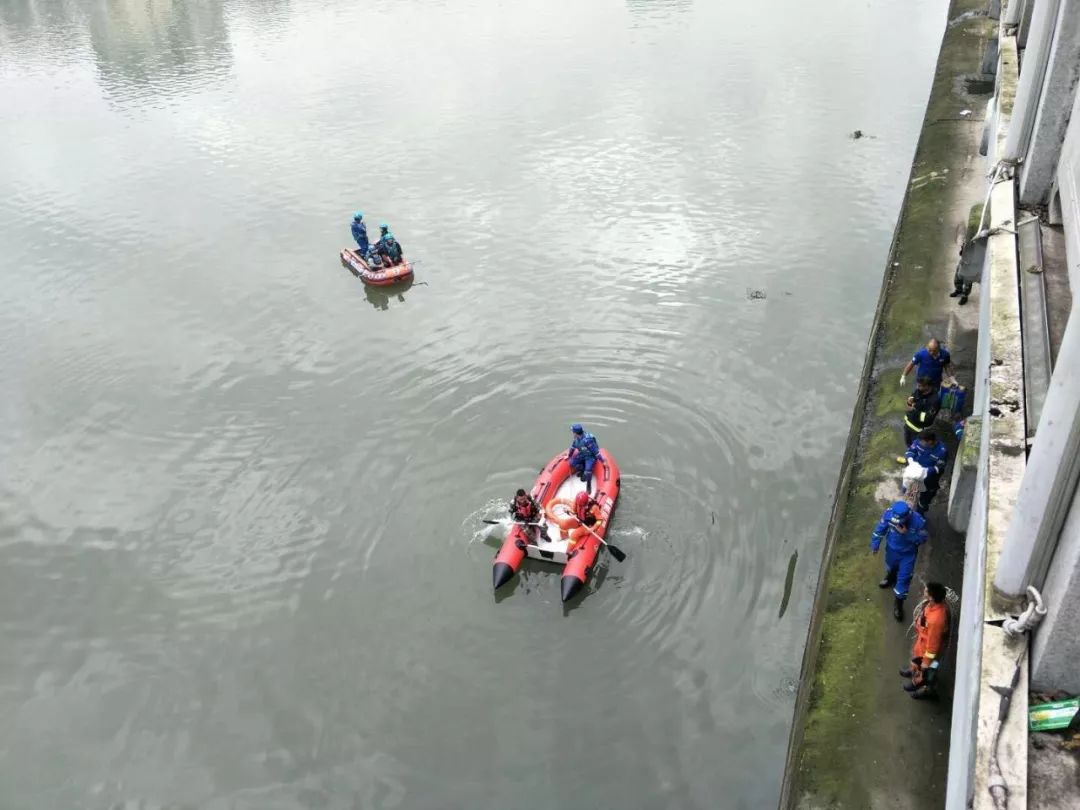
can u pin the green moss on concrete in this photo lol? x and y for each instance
(917, 253)
(880, 451)
(972, 443)
(891, 399)
(974, 218)
(835, 763)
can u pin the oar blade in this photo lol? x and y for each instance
(617, 552)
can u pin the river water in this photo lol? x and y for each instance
(241, 557)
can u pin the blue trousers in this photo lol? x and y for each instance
(900, 568)
(583, 464)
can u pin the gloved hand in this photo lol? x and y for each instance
(903, 380)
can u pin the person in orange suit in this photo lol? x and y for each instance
(588, 514)
(931, 636)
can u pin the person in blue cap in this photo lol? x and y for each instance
(903, 531)
(583, 454)
(359, 233)
(387, 246)
(930, 452)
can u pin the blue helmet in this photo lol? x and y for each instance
(358, 215)
(576, 428)
(383, 226)
(901, 513)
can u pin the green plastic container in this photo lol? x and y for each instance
(1052, 716)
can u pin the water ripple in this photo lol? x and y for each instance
(241, 561)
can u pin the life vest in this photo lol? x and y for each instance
(584, 507)
(524, 508)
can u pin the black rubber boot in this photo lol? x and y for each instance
(885, 583)
(963, 300)
(906, 673)
(910, 687)
(955, 293)
(898, 610)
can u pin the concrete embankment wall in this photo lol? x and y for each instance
(857, 740)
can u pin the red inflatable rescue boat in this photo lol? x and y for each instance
(555, 539)
(376, 276)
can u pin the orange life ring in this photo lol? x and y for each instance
(565, 520)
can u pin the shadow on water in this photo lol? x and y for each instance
(532, 575)
(380, 297)
(535, 575)
(594, 584)
(508, 590)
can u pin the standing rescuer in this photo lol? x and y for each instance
(359, 232)
(931, 635)
(903, 532)
(933, 361)
(929, 452)
(922, 409)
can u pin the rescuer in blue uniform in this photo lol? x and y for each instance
(930, 452)
(584, 452)
(388, 247)
(903, 532)
(933, 361)
(359, 233)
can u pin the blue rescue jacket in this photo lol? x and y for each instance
(359, 233)
(933, 458)
(926, 365)
(586, 445)
(897, 541)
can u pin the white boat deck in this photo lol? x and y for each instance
(550, 545)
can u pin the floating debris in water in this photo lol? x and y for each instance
(755, 295)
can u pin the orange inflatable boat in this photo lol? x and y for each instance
(376, 276)
(559, 538)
